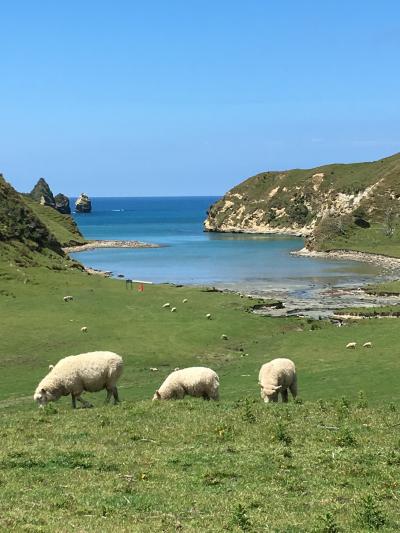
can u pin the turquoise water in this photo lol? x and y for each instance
(191, 256)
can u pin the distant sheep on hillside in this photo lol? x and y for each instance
(200, 382)
(276, 377)
(367, 345)
(351, 345)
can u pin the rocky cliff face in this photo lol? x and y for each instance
(297, 201)
(42, 193)
(83, 204)
(62, 204)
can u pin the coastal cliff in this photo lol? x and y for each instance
(329, 205)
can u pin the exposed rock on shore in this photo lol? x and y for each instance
(391, 263)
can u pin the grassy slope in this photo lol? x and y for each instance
(63, 227)
(144, 467)
(197, 466)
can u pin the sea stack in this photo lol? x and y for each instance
(62, 204)
(42, 193)
(83, 204)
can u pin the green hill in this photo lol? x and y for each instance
(32, 234)
(351, 206)
(63, 227)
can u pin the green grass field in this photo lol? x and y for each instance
(325, 464)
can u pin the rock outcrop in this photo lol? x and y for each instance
(20, 225)
(83, 204)
(62, 204)
(300, 202)
(42, 193)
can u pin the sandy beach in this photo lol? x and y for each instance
(93, 245)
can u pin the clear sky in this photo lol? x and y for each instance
(168, 97)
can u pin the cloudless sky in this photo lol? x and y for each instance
(169, 97)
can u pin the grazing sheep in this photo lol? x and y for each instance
(184, 301)
(173, 310)
(208, 315)
(166, 305)
(153, 369)
(84, 329)
(74, 374)
(276, 377)
(367, 345)
(351, 345)
(199, 382)
(68, 298)
(224, 337)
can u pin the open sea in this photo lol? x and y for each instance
(190, 256)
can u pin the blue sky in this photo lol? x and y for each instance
(128, 98)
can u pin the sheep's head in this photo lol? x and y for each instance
(43, 397)
(157, 396)
(270, 393)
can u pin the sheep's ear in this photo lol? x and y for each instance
(51, 367)
(158, 394)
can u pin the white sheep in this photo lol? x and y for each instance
(167, 304)
(74, 374)
(367, 345)
(84, 329)
(276, 377)
(184, 301)
(200, 382)
(351, 345)
(153, 369)
(224, 337)
(173, 310)
(68, 298)
(208, 316)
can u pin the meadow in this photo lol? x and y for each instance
(328, 462)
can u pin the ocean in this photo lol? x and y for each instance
(191, 256)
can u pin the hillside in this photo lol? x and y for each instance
(63, 227)
(352, 206)
(32, 234)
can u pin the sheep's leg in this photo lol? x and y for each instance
(285, 395)
(109, 394)
(84, 402)
(115, 394)
(293, 388)
(73, 401)
(206, 396)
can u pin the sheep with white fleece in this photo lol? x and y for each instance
(276, 377)
(197, 381)
(74, 374)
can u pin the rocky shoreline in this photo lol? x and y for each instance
(391, 263)
(95, 244)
